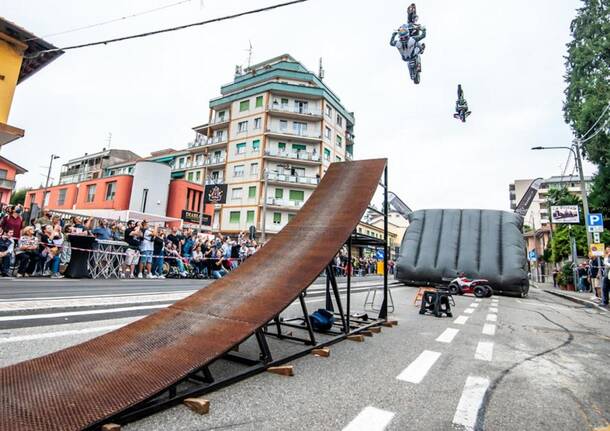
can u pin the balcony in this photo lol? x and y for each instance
(204, 141)
(297, 180)
(294, 112)
(284, 203)
(214, 161)
(302, 156)
(349, 137)
(301, 135)
(7, 184)
(219, 180)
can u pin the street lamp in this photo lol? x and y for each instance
(46, 185)
(575, 149)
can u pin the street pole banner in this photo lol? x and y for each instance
(565, 214)
(215, 194)
(528, 197)
(595, 223)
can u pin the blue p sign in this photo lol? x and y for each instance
(595, 219)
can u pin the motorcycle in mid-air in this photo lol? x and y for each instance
(409, 47)
(461, 106)
(479, 287)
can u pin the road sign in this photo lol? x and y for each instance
(596, 237)
(379, 254)
(596, 250)
(532, 256)
(595, 222)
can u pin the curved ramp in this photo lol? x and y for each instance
(482, 243)
(82, 385)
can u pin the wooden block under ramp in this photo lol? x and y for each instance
(375, 329)
(356, 337)
(323, 352)
(111, 427)
(366, 333)
(198, 405)
(282, 370)
(393, 322)
(386, 324)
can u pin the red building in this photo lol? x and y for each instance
(8, 172)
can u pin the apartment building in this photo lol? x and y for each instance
(539, 212)
(91, 166)
(270, 137)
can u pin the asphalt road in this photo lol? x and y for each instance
(538, 363)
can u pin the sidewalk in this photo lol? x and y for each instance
(587, 299)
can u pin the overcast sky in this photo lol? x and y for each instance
(150, 92)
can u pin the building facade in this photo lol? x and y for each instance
(538, 215)
(270, 137)
(8, 172)
(91, 166)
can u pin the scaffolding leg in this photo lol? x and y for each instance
(333, 282)
(307, 321)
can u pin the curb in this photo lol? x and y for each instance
(586, 303)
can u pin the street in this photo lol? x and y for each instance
(501, 363)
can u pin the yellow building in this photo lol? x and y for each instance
(21, 55)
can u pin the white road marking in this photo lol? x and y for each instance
(494, 301)
(32, 337)
(492, 317)
(484, 351)
(478, 299)
(469, 310)
(474, 304)
(418, 369)
(448, 335)
(470, 402)
(79, 313)
(489, 329)
(493, 310)
(519, 301)
(370, 419)
(460, 320)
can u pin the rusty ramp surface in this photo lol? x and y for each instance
(82, 385)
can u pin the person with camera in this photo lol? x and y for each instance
(13, 221)
(132, 254)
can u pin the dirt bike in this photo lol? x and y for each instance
(479, 287)
(414, 64)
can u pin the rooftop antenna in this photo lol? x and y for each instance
(321, 70)
(249, 53)
(109, 139)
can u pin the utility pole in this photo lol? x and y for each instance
(46, 184)
(583, 191)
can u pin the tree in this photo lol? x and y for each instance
(588, 89)
(560, 243)
(19, 196)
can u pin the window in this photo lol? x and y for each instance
(61, 197)
(47, 196)
(198, 177)
(339, 141)
(299, 128)
(327, 132)
(144, 199)
(300, 106)
(250, 217)
(256, 144)
(237, 193)
(181, 162)
(110, 190)
(242, 127)
(290, 217)
(326, 154)
(91, 193)
(297, 195)
(244, 105)
(33, 198)
(259, 101)
(199, 159)
(234, 217)
(238, 171)
(279, 193)
(284, 103)
(254, 169)
(283, 125)
(299, 172)
(241, 148)
(190, 177)
(329, 111)
(257, 123)
(339, 120)
(3, 174)
(299, 147)
(251, 192)
(281, 146)
(220, 116)
(277, 218)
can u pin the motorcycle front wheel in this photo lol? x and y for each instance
(416, 78)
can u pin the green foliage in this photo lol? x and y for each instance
(567, 273)
(560, 244)
(18, 197)
(561, 196)
(588, 90)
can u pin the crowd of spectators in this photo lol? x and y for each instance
(42, 248)
(360, 265)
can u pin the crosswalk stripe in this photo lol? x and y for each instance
(470, 402)
(448, 335)
(484, 351)
(370, 419)
(460, 320)
(489, 329)
(417, 370)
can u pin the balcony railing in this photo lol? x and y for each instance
(219, 120)
(294, 110)
(218, 180)
(7, 184)
(215, 160)
(298, 133)
(202, 140)
(296, 155)
(294, 179)
(284, 203)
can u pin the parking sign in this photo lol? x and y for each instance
(595, 222)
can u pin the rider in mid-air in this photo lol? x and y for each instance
(410, 36)
(461, 106)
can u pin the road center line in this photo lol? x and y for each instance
(469, 310)
(478, 299)
(460, 320)
(448, 335)
(470, 402)
(370, 419)
(489, 329)
(493, 310)
(484, 351)
(492, 318)
(418, 369)
(32, 337)
(474, 304)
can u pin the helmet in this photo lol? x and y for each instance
(403, 32)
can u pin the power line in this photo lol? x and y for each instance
(597, 121)
(110, 21)
(602, 127)
(166, 30)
